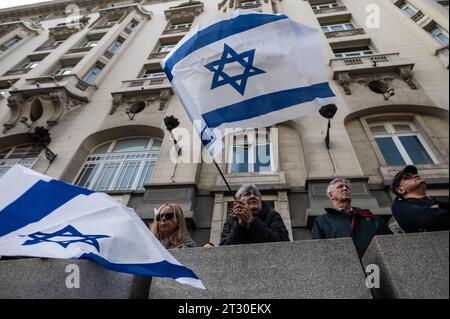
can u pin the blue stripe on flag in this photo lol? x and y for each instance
(158, 269)
(37, 202)
(216, 32)
(266, 103)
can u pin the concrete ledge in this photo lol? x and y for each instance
(413, 265)
(46, 279)
(301, 269)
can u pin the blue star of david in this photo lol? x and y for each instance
(238, 82)
(69, 235)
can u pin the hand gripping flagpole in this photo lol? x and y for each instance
(172, 122)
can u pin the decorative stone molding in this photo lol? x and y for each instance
(126, 101)
(26, 26)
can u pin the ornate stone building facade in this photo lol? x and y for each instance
(95, 83)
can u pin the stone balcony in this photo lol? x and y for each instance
(145, 84)
(17, 72)
(176, 31)
(330, 10)
(47, 47)
(345, 33)
(65, 30)
(157, 55)
(70, 82)
(185, 10)
(131, 90)
(345, 68)
(256, 5)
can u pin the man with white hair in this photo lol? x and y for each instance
(252, 221)
(344, 220)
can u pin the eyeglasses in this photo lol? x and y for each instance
(166, 216)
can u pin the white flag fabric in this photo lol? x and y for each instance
(247, 70)
(44, 217)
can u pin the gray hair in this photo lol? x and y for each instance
(245, 188)
(337, 180)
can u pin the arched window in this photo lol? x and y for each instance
(401, 143)
(120, 165)
(26, 155)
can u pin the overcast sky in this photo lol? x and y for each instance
(14, 3)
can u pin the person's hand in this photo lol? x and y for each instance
(242, 212)
(435, 206)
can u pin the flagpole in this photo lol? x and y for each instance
(223, 177)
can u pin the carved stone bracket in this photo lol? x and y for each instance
(116, 102)
(14, 103)
(164, 97)
(344, 81)
(407, 76)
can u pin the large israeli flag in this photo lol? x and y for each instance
(247, 70)
(44, 217)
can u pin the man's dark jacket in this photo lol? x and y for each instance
(337, 224)
(267, 226)
(416, 214)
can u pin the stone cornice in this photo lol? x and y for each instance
(27, 24)
(57, 8)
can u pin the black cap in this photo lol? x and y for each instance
(409, 169)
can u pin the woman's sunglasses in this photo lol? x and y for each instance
(166, 216)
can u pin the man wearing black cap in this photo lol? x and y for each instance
(412, 208)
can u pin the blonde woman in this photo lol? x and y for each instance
(169, 227)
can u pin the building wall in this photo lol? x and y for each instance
(305, 165)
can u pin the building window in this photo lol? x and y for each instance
(179, 26)
(120, 165)
(11, 43)
(115, 46)
(30, 65)
(152, 74)
(352, 52)
(25, 155)
(111, 23)
(89, 44)
(408, 9)
(130, 27)
(65, 69)
(90, 77)
(327, 5)
(165, 48)
(338, 27)
(438, 33)
(401, 144)
(251, 152)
